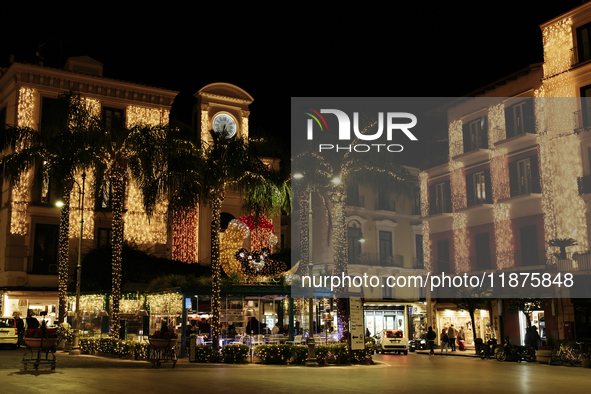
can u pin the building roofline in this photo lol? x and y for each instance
(567, 14)
(14, 67)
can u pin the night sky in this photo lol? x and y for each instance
(310, 49)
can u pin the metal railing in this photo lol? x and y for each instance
(356, 202)
(582, 121)
(374, 259)
(528, 185)
(577, 261)
(385, 205)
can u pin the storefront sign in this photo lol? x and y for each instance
(357, 331)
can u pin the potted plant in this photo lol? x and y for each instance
(163, 339)
(41, 338)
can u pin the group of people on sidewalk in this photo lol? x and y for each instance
(448, 338)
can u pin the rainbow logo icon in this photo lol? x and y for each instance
(316, 118)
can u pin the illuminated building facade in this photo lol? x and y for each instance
(518, 178)
(29, 218)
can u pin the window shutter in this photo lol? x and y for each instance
(432, 200)
(513, 182)
(470, 189)
(509, 126)
(488, 187)
(535, 174)
(483, 137)
(466, 135)
(528, 116)
(447, 194)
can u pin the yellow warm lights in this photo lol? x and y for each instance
(138, 227)
(185, 245)
(455, 138)
(20, 191)
(140, 116)
(88, 227)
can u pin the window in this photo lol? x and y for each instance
(353, 198)
(519, 119)
(443, 264)
(483, 258)
(384, 203)
(524, 176)
(440, 198)
(45, 259)
(354, 246)
(475, 134)
(479, 189)
(385, 240)
(529, 245)
(104, 237)
(113, 117)
(419, 251)
(583, 43)
(585, 107)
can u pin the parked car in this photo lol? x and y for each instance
(8, 332)
(392, 341)
(419, 343)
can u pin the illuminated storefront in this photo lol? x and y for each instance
(411, 318)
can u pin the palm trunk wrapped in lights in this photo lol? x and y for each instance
(64, 246)
(304, 244)
(339, 198)
(117, 182)
(216, 206)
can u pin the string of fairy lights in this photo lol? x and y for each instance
(185, 235)
(558, 154)
(20, 191)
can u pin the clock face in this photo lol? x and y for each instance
(225, 125)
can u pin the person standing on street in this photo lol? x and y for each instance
(431, 339)
(444, 340)
(461, 338)
(451, 334)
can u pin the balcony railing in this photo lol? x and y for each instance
(525, 185)
(418, 263)
(582, 121)
(374, 259)
(572, 261)
(356, 202)
(385, 205)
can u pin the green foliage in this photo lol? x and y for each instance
(234, 354)
(205, 354)
(273, 354)
(114, 346)
(299, 353)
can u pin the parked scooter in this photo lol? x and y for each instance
(515, 353)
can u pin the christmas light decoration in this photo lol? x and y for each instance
(140, 116)
(88, 226)
(232, 240)
(427, 247)
(244, 127)
(499, 175)
(117, 179)
(165, 303)
(205, 137)
(138, 227)
(559, 147)
(185, 238)
(20, 191)
(456, 146)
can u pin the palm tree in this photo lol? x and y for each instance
(141, 154)
(226, 163)
(349, 169)
(55, 153)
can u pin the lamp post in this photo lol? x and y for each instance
(76, 337)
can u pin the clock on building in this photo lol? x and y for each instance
(224, 124)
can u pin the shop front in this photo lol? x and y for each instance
(43, 305)
(410, 318)
(447, 315)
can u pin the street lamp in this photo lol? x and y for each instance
(311, 361)
(75, 350)
(327, 317)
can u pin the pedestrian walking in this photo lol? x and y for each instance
(444, 340)
(431, 339)
(451, 333)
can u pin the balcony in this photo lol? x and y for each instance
(582, 121)
(526, 188)
(375, 260)
(474, 151)
(385, 205)
(356, 201)
(573, 262)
